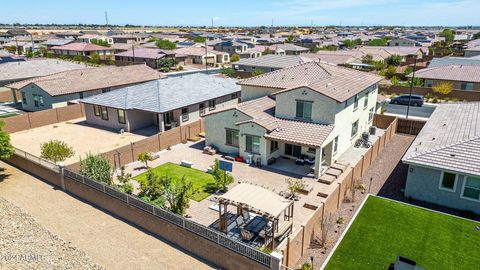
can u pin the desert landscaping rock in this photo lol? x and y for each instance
(26, 244)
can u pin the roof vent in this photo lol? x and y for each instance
(452, 155)
(329, 84)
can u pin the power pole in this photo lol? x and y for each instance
(206, 57)
(411, 84)
(106, 18)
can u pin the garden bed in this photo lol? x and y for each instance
(202, 181)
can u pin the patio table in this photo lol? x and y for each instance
(256, 224)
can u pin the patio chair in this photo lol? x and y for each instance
(246, 235)
(266, 231)
(246, 216)
(239, 221)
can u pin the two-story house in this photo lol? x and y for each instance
(313, 110)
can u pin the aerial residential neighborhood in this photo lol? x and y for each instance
(270, 135)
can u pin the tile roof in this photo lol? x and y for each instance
(81, 46)
(338, 83)
(450, 139)
(447, 61)
(291, 47)
(57, 41)
(167, 94)
(146, 53)
(273, 61)
(262, 112)
(88, 79)
(35, 68)
(465, 73)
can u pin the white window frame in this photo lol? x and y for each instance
(463, 190)
(358, 126)
(447, 189)
(365, 101)
(355, 102)
(335, 145)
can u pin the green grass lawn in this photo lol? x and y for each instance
(384, 229)
(201, 180)
(8, 115)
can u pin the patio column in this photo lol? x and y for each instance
(318, 161)
(161, 123)
(276, 260)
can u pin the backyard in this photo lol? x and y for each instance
(385, 229)
(202, 181)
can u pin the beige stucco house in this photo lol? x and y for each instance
(312, 110)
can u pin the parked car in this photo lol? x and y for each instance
(416, 100)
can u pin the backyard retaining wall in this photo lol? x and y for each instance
(43, 118)
(296, 244)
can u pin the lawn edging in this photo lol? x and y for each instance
(359, 209)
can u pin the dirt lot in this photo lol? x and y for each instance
(110, 241)
(75, 133)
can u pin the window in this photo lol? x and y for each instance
(35, 100)
(104, 111)
(212, 104)
(466, 86)
(354, 128)
(40, 100)
(311, 150)
(80, 95)
(185, 114)
(252, 144)
(304, 109)
(96, 110)
(121, 116)
(231, 136)
(105, 90)
(24, 98)
(365, 101)
(448, 181)
(273, 146)
(346, 103)
(355, 102)
(471, 188)
(335, 145)
(201, 109)
(370, 114)
(234, 96)
(428, 83)
(293, 150)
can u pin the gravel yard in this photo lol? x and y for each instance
(26, 244)
(384, 169)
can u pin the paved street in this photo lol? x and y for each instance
(425, 111)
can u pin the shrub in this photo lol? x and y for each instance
(78, 58)
(230, 72)
(6, 148)
(341, 220)
(165, 44)
(257, 72)
(394, 60)
(435, 100)
(234, 58)
(443, 88)
(55, 151)
(94, 58)
(408, 70)
(96, 167)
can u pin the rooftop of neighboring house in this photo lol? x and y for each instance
(400, 50)
(132, 35)
(474, 49)
(57, 41)
(35, 68)
(338, 83)
(262, 112)
(274, 61)
(196, 51)
(87, 79)
(292, 47)
(334, 58)
(450, 139)
(15, 32)
(473, 43)
(123, 46)
(81, 47)
(167, 94)
(447, 61)
(90, 36)
(463, 73)
(148, 53)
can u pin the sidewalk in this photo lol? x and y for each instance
(111, 242)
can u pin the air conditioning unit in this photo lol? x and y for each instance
(121, 131)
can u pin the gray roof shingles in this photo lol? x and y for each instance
(167, 94)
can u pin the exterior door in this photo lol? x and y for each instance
(293, 150)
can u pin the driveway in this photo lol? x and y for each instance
(111, 242)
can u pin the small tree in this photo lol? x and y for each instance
(199, 39)
(124, 179)
(408, 71)
(267, 51)
(177, 194)
(151, 188)
(55, 151)
(443, 88)
(230, 72)
(222, 179)
(165, 64)
(394, 60)
(165, 44)
(257, 72)
(96, 167)
(290, 39)
(234, 58)
(77, 58)
(295, 185)
(95, 58)
(145, 157)
(6, 148)
(109, 60)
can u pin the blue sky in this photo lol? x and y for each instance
(246, 12)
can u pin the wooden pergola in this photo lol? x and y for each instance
(263, 202)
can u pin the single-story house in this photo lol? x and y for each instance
(271, 49)
(403, 41)
(59, 89)
(444, 158)
(462, 77)
(50, 43)
(68, 35)
(148, 56)
(166, 103)
(22, 47)
(18, 71)
(270, 62)
(312, 110)
(87, 38)
(472, 51)
(128, 38)
(82, 49)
